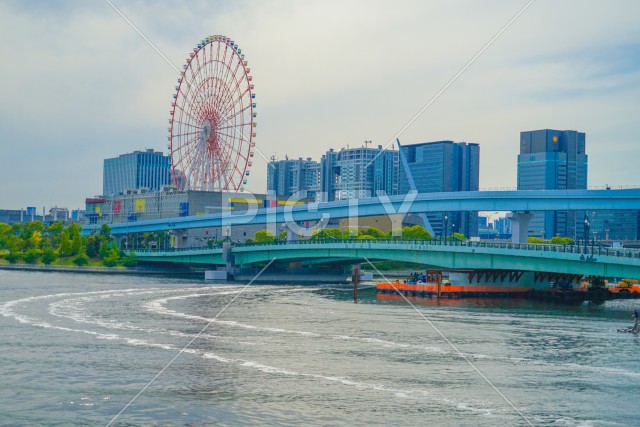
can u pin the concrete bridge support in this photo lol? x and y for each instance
(179, 238)
(228, 258)
(519, 226)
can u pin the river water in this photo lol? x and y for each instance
(76, 348)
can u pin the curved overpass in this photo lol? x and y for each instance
(459, 255)
(547, 200)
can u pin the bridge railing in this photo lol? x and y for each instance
(586, 251)
(538, 247)
(185, 249)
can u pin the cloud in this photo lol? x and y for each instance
(80, 85)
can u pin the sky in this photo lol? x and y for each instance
(80, 85)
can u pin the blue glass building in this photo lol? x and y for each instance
(553, 160)
(444, 166)
(141, 169)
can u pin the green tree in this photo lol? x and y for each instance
(459, 236)
(73, 229)
(417, 232)
(13, 256)
(105, 231)
(48, 255)
(105, 247)
(14, 243)
(264, 236)
(32, 255)
(130, 260)
(34, 226)
(109, 262)
(535, 240)
(557, 240)
(65, 244)
(81, 259)
(76, 244)
(52, 235)
(5, 229)
(18, 229)
(93, 246)
(375, 233)
(113, 256)
(55, 229)
(365, 237)
(34, 241)
(326, 233)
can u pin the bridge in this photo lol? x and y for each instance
(515, 201)
(456, 255)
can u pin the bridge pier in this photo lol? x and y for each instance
(228, 258)
(519, 226)
(179, 237)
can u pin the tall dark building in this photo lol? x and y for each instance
(553, 160)
(443, 166)
(141, 169)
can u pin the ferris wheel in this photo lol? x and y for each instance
(211, 127)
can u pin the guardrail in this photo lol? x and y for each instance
(588, 251)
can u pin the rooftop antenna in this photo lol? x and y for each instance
(366, 144)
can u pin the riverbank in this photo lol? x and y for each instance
(143, 270)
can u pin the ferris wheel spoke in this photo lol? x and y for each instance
(222, 83)
(220, 67)
(233, 89)
(188, 145)
(228, 119)
(241, 96)
(188, 113)
(197, 80)
(218, 70)
(185, 134)
(181, 123)
(231, 146)
(196, 102)
(235, 126)
(240, 137)
(226, 76)
(234, 156)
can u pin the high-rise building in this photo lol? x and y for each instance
(365, 172)
(605, 225)
(147, 169)
(557, 160)
(340, 175)
(443, 166)
(553, 160)
(287, 177)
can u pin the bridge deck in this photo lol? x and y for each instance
(571, 259)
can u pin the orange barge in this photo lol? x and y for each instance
(432, 284)
(447, 290)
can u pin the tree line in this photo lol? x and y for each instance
(416, 232)
(35, 243)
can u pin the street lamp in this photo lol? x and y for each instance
(586, 231)
(446, 218)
